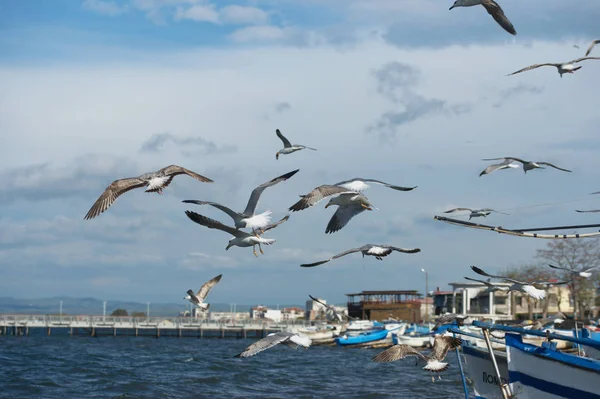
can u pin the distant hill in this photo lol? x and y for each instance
(93, 306)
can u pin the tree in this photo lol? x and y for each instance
(119, 312)
(575, 254)
(138, 314)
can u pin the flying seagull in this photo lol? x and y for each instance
(527, 165)
(493, 9)
(350, 203)
(491, 287)
(475, 212)
(441, 345)
(517, 285)
(281, 337)
(240, 238)
(448, 318)
(564, 67)
(378, 251)
(589, 50)
(198, 298)
(154, 182)
(288, 148)
(585, 273)
(506, 164)
(359, 184)
(588, 211)
(329, 308)
(247, 218)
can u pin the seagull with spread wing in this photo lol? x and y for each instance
(585, 272)
(493, 9)
(521, 286)
(475, 212)
(509, 162)
(378, 251)
(240, 238)
(288, 148)
(330, 308)
(199, 297)
(247, 218)
(154, 182)
(562, 67)
(441, 345)
(288, 339)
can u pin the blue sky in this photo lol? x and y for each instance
(404, 91)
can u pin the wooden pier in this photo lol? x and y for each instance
(141, 326)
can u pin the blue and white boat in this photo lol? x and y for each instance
(362, 338)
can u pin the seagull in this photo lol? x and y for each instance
(589, 50)
(288, 148)
(565, 67)
(441, 345)
(448, 318)
(491, 287)
(493, 9)
(153, 181)
(359, 184)
(247, 218)
(350, 203)
(585, 273)
(240, 238)
(378, 251)
(198, 298)
(517, 285)
(558, 318)
(330, 308)
(281, 337)
(588, 211)
(527, 165)
(476, 212)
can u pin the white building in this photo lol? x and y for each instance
(292, 313)
(262, 312)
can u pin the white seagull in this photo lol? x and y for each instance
(240, 238)
(330, 308)
(493, 9)
(247, 218)
(564, 67)
(153, 181)
(517, 285)
(508, 161)
(378, 251)
(281, 337)
(475, 212)
(359, 184)
(288, 148)
(198, 298)
(441, 345)
(585, 273)
(350, 203)
(589, 50)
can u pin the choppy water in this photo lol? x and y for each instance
(144, 367)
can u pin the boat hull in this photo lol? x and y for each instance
(364, 338)
(479, 367)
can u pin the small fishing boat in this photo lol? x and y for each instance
(363, 325)
(416, 340)
(362, 338)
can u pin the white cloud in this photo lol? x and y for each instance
(235, 14)
(198, 13)
(103, 7)
(258, 33)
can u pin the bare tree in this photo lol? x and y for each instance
(575, 254)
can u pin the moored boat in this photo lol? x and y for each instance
(362, 338)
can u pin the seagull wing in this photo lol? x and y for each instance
(588, 211)
(583, 59)
(262, 344)
(111, 193)
(273, 225)
(480, 271)
(449, 317)
(530, 67)
(553, 166)
(342, 216)
(397, 352)
(333, 257)
(561, 268)
(502, 165)
(206, 287)
(589, 50)
(533, 292)
(458, 209)
(359, 184)
(404, 250)
(192, 296)
(442, 344)
(506, 159)
(317, 195)
(498, 14)
(589, 269)
(255, 196)
(174, 170)
(213, 224)
(234, 215)
(481, 281)
(492, 210)
(286, 142)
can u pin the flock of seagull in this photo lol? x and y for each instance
(348, 196)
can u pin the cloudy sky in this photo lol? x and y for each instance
(400, 90)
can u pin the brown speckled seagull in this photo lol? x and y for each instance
(154, 182)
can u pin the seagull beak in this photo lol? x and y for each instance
(367, 207)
